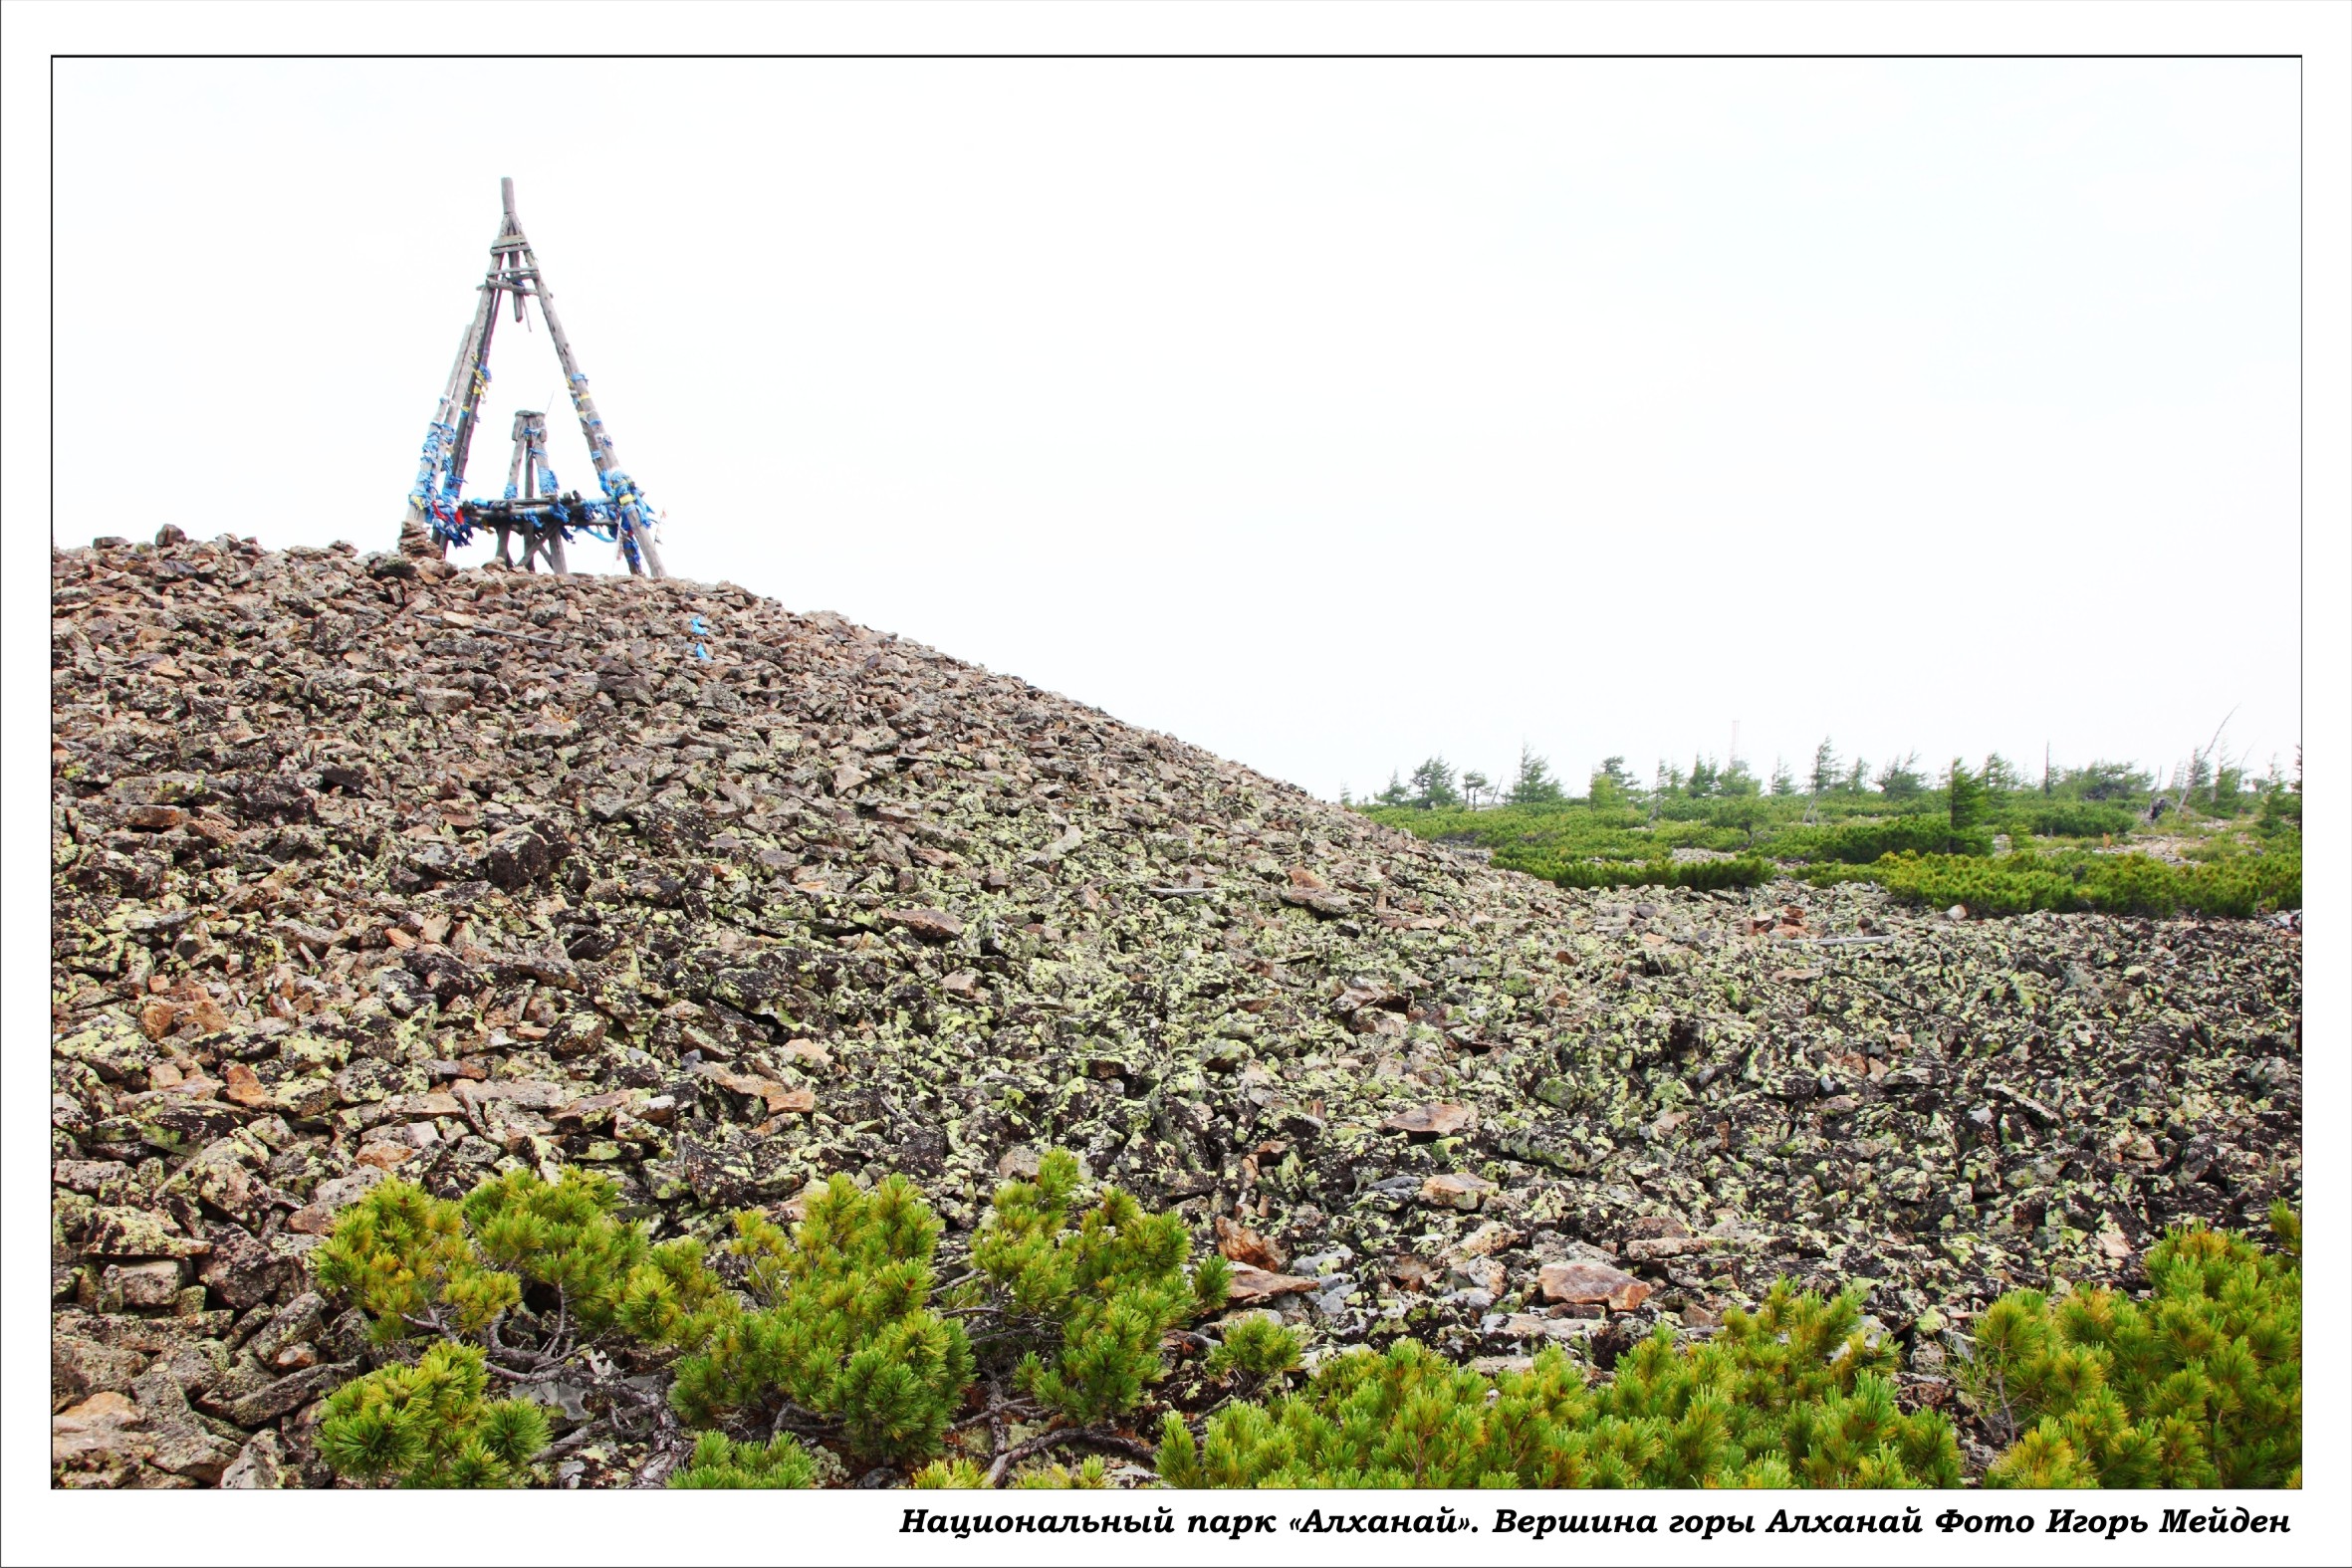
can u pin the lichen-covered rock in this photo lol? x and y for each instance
(80, 1367)
(369, 866)
(258, 1467)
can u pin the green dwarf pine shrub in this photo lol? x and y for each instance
(1256, 1347)
(1793, 1395)
(722, 1464)
(1705, 876)
(399, 1253)
(428, 1425)
(562, 1236)
(415, 1262)
(1113, 1283)
(1090, 1475)
(1404, 1417)
(2071, 819)
(418, 1263)
(2133, 884)
(950, 1475)
(966, 1475)
(842, 1329)
(2199, 1385)
(1859, 844)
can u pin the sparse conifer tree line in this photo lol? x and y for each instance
(2074, 838)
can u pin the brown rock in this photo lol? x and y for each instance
(575, 1034)
(102, 1432)
(292, 1324)
(521, 856)
(1430, 1120)
(259, 1467)
(153, 1284)
(1534, 1325)
(307, 1097)
(343, 1189)
(1456, 1190)
(80, 1367)
(1250, 1283)
(243, 1088)
(1323, 902)
(134, 1232)
(595, 1110)
(276, 1398)
(178, 1442)
(1581, 1282)
(243, 1270)
(530, 1094)
(1244, 1246)
(780, 1098)
(1480, 1273)
(101, 1179)
(929, 925)
(1493, 1236)
(414, 1107)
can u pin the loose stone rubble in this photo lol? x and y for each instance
(365, 867)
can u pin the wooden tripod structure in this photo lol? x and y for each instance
(544, 519)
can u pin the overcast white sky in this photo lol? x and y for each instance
(1327, 414)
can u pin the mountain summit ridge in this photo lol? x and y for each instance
(369, 866)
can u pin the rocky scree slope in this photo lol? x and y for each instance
(363, 866)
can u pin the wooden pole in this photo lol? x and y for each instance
(460, 379)
(517, 472)
(635, 527)
(470, 411)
